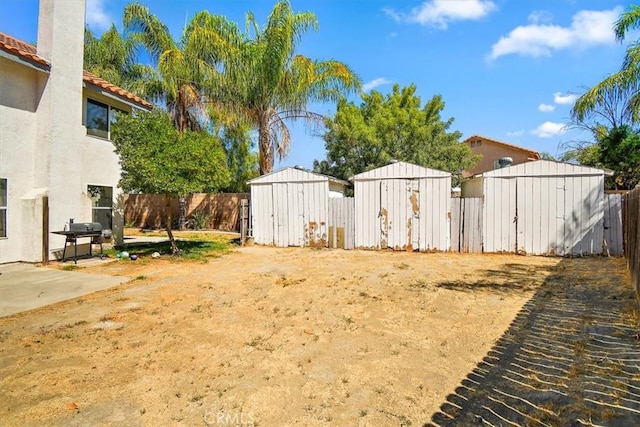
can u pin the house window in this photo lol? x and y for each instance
(102, 205)
(476, 143)
(3, 207)
(99, 118)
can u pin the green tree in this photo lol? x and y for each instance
(267, 83)
(395, 126)
(113, 57)
(158, 159)
(619, 150)
(242, 161)
(188, 66)
(624, 83)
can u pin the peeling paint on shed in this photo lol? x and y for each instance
(402, 206)
(290, 207)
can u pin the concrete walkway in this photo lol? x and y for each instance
(25, 287)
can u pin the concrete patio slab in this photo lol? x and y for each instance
(25, 287)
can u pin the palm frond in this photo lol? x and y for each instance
(629, 20)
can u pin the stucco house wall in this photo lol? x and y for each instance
(491, 150)
(46, 151)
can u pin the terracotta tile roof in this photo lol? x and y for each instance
(532, 153)
(103, 84)
(21, 49)
(28, 52)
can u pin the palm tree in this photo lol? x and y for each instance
(113, 58)
(184, 66)
(625, 84)
(266, 83)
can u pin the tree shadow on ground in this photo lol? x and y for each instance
(512, 278)
(571, 357)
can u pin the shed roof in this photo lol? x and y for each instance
(28, 53)
(294, 174)
(545, 168)
(401, 170)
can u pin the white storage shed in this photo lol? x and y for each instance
(541, 208)
(402, 206)
(290, 207)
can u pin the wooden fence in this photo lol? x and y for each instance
(613, 224)
(342, 222)
(466, 225)
(631, 230)
(222, 210)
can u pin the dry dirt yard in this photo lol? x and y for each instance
(265, 336)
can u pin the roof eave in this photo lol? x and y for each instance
(109, 94)
(26, 61)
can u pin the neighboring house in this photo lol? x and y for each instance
(492, 150)
(56, 159)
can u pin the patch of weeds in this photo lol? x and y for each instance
(141, 277)
(401, 266)
(395, 352)
(348, 320)
(284, 281)
(4, 335)
(420, 284)
(579, 347)
(363, 294)
(276, 309)
(404, 421)
(345, 380)
(196, 398)
(197, 308)
(363, 413)
(108, 317)
(70, 267)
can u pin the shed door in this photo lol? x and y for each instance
(400, 214)
(280, 215)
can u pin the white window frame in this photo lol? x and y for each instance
(110, 117)
(95, 208)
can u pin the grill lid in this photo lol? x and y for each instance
(85, 226)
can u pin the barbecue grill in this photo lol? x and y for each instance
(77, 230)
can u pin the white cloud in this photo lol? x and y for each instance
(546, 108)
(549, 129)
(516, 133)
(375, 83)
(567, 99)
(540, 17)
(439, 13)
(96, 16)
(588, 28)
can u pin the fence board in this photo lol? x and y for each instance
(456, 230)
(466, 225)
(149, 210)
(342, 223)
(613, 223)
(631, 227)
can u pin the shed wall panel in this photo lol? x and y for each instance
(262, 214)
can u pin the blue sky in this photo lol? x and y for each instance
(507, 69)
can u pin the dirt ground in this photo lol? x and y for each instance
(267, 336)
